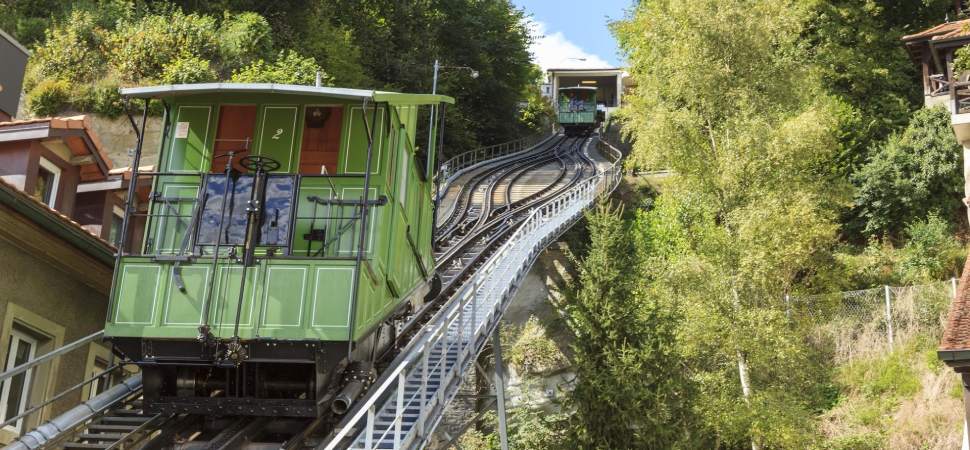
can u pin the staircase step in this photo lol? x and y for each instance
(106, 427)
(126, 412)
(122, 419)
(101, 436)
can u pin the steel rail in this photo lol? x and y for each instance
(425, 376)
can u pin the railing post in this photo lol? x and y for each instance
(889, 318)
(401, 380)
(369, 429)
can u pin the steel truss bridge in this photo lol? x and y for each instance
(500, 206)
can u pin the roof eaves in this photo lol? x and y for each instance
(56, 223)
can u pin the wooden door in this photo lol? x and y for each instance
(237, 125)
(320, 149)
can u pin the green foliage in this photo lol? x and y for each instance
(288, 68)
(749, 215)
(70, 52)
(533, 351)
(528, 429)
(631, 389)
(961, 60)
(244, 38)
(187, 69)
(855, 45)
(889, 376)
(931, 251)
(141, 48)
(102, 96)
(47, 97)
(368, 45)
(913, 173)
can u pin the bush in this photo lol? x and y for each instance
(101, 97)
(931, 253)
(187, 69)
(49, 97)
(70, 52)
(912, 174)
(533, 352)
(141, 49)
(243, 39)
(288, 68)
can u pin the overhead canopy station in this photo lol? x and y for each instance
(610, 84)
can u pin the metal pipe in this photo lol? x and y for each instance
(346, 397)
(54, 428)
(130, 199)
(362, 239)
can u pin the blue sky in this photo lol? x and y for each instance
(574, 29)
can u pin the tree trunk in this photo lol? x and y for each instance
(743, 372)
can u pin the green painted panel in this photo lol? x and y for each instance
(284, 296)
(355, 147)
(222, 312)
(185, 308)
(174, 216)
(137, 294)
(331, 297)
(277, 133)
(189, 131)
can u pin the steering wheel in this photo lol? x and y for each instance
(256, 163)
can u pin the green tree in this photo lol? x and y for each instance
(716, 102)
(912, 174)
(631, 389)
(856, 47)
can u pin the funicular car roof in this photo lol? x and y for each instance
(174, 90)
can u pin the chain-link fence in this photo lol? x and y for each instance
(863, 322)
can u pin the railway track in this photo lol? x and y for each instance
(484, 216)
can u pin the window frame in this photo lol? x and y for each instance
(47, 165)
(16, 337)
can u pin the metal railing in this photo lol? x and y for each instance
(406, 403)
(465, 161)
(49, 357)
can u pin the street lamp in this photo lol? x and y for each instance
(434, 90)
(437, 67)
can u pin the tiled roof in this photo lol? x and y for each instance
(78, 146)
(944, 31)
(956, 334)
(64, 220)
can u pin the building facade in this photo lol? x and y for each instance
(60, 212)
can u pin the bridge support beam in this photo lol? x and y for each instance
(500, 389)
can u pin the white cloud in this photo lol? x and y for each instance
(553, 50)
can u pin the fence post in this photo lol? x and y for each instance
(953, 283)
(889, 318)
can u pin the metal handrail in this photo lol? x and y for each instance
(50, 355)
(59, 396)
(483, 298)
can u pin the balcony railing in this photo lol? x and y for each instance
(939, 84)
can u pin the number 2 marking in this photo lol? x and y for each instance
(279, 132)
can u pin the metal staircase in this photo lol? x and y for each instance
(407, 402)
